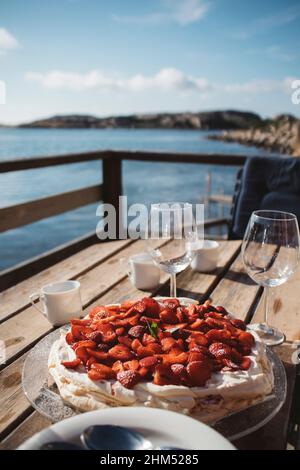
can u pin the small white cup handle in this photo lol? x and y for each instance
(36, 296)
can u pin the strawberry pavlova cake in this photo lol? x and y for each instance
(194, 359)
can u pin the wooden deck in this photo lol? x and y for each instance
(103, 281)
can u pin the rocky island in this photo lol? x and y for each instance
(215, 120)
(281, 134)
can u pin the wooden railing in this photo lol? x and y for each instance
(109, 191)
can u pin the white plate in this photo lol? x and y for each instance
(161, 427)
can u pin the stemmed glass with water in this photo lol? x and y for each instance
(270, 252)
(170, 236)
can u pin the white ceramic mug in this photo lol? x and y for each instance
(142, 272)
(206, 256)
(61, 301)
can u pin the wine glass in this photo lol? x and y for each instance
(170, 236)
(270, 252)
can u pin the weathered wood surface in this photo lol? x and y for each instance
(284, 308)
(103, 280)
(70, 268)
(41, 162)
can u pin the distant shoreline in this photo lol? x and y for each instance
(210, 120)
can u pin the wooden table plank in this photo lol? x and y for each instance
(236, 291)
(30, 426)
(284, 308)
(124, 289)
(70, 268)
(14, 405)
(23, 329)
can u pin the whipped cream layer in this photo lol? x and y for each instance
(224, 393)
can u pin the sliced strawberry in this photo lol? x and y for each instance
(131, 365)
(140, 306)
(149, 361)
(152, 307)
(98, 312)
(89, 362)
(230, 364)
(163, 375)
(128, 321)
(168, 316)
(246, 339)
(197, 356)
(181, 315)
(136, 344)
(81, 321)
(148, 339)
(240, 324)
(149, 350)
(120, 352)
(215, 316)
(191, 312)
(71, 364)
(99, 355)
(77, 332)
(213, 323)
(236, 356)
(221, 310)
(87, 343)
(125, 340)
(179, 372)
(198, 373)
(118, 366)
(120, 331)
(201, 349)
(168, 343)
(201, 310)
(214, 336)
(107, 331)
(197, 324)
(198, 338)
(175, 357)
(127, 305)
(128, 378)
(83, 354)
(245, 364)
(145, 373)
(106, 372)
(95, 375)
(171, 303)
(220, 350)
(69, 338)
(137, 331)
(95, 336)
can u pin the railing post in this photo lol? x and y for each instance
(112, 183)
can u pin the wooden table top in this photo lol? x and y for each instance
(103, 280)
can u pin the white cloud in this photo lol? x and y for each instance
(182, 12)
(259, 86)
(165, 79)
(7, 41)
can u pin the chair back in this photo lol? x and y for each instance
(270, 183)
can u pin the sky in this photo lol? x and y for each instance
(120, 57)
